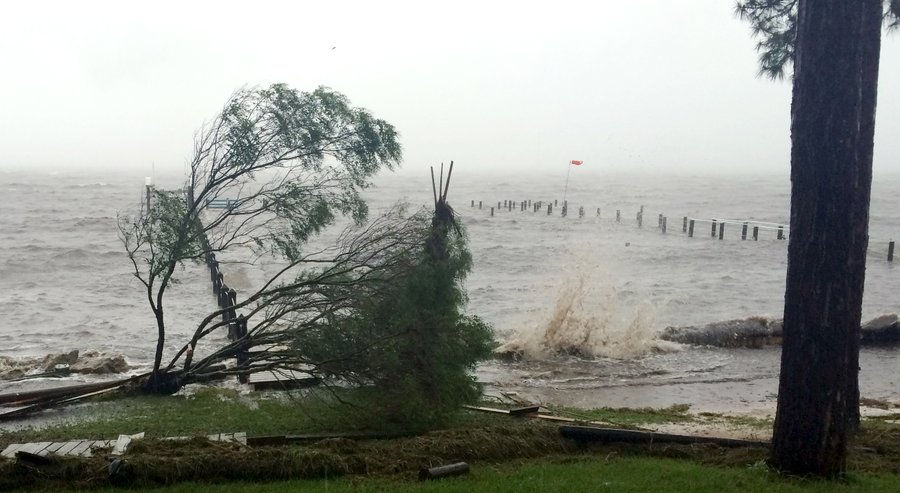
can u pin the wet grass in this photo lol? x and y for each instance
(584, 474)
(632, 418)
(507, 454)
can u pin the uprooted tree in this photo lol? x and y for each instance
(380, 309)
(288, 162)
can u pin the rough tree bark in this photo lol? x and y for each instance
(832, 132)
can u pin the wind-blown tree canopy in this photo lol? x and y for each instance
(774, 22)
(287, 163)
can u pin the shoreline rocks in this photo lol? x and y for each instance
(60, 364)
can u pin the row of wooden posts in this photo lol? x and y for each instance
(717, 226)
(226, 297)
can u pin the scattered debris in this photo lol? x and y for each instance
(438, 472)
(594, 434)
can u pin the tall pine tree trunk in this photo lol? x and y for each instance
(832, 131)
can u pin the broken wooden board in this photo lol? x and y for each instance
(85, 448)
(281, 380)
(595, 434)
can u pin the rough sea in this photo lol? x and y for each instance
(606, 288)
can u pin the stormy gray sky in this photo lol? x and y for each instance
(647, 85)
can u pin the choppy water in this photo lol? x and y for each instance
(606, 286)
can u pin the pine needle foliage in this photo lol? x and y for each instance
(421, 371)
(774, 24)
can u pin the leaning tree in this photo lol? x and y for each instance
(288, 163)
(834, 46)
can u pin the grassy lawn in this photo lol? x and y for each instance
(506, 454)
(578, 474)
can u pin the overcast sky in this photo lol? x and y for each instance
(647, 85)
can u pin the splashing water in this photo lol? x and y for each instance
(588, 320)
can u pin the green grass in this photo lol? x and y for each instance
(507, 454)
(205, 412)
(578, 474)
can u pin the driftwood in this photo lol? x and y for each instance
(438, 472)
(16, 399)
(532, 412)
(592, 434)
(37, 400)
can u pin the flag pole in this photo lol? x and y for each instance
(565, 190)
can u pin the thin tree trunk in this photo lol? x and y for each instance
(832, 129)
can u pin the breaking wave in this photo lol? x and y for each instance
(589, 320)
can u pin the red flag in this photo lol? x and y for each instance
(576, 162)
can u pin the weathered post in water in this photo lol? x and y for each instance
(664, 224)
(755, 233)
(684, 225)
(492, 212)
(691, 229)
(721, 230)
(148, 194)
(891, 251)
(713, 232)
(744, 231)
(780, 232)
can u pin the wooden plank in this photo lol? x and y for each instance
(81, 447)
(52, 448)
(593, 434)
(487, 409)
(33, 447)
(42, 451)
(67, 447)
(11, 449)
(241, 438)
(121, 444)
(520, 411)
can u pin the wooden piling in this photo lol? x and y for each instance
(618, 215)
(891, 251)
(479, 204)
(691, 229)
(659, 222)
(473, 203)
(713, 233)
(242, 353)
(780, 232)
(492, 212)
(664, 224)
(684, 225)
(744, 231)
(721, 230)
(755, 233)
